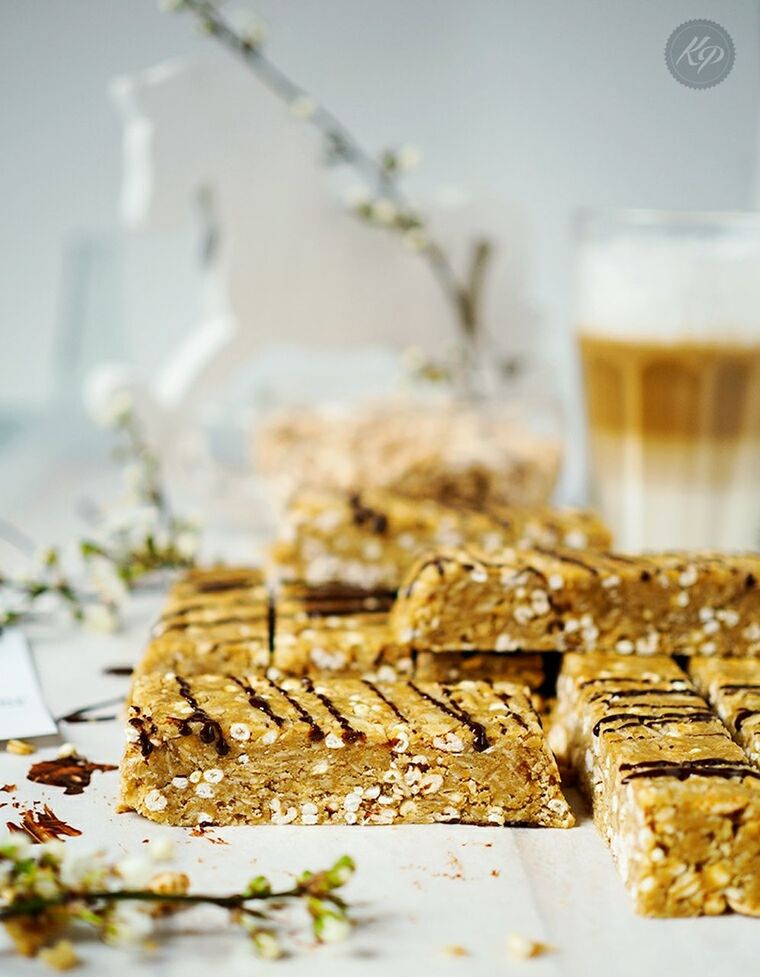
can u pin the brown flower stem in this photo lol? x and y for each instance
(463, 296)
(34, 907)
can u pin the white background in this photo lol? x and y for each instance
(548, 106)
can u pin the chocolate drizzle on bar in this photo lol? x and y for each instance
(316, 733)
(211, 731)
(257, 701)
(364, 515)
(455, 711)
(381, 695)
(506, 699)
(683, 769)
(670, 713)
(143, 728)
(221, 584)
(349, 734)
(742, 716)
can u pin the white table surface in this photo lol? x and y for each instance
(417, 889)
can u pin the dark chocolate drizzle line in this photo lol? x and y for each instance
(364, 515)
(191, 608)
(480, 740)
(315, 731)
(742, 716)
(506, 699)
(335, 591)
(567, 558)
(218, 586)
(257, 701)
(671, 713)
(603, 679)
(381, 695)
(171, 625)
(349, 734)
(638, 693)
(143, 736)
(211, 731)
(708, 767)
(703, 716)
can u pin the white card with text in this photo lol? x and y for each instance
(23, 712)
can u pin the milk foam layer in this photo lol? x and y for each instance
(685, 282)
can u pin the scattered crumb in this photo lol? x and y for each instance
(20, 747)
(495, 873)
(7, 789)
(456, 951)
(524, 948)
(66, 750)
(60, 956)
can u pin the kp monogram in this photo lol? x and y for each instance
(700, 53)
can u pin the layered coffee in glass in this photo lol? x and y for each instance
(668, 318)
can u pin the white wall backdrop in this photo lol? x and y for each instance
(547, 106)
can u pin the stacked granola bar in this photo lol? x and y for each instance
(388, 673)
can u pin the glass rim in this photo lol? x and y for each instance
(586, 218)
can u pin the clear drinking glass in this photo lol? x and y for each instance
(668, 320)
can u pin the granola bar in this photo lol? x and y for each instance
(732, 687)
(671, 792)
(247, 750)
(371, 539)
(336, 629)
(563, 600)
(447, 452)
(215, 619)
(345, 631)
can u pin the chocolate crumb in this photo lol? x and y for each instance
(73, 773)
(43, 825)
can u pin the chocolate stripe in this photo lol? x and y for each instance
(257, 701)
(211, 731)
(391, 705)
(349, 735)
(480, 740)
(315, 732)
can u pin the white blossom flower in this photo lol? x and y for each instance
(416, 239)
(409, 157)
(303, 107)
(108, 395)
(186, 543)
(107, 582)
(128, 923)
(331, 928)
(136, 871)
(384, 211)
(100, 618)
(266, 945)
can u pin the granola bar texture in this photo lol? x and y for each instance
(371, 539)
(671, 792)
(215, 619)
(336, 629)
(564, 600)
(233, 750)
(442, 451)
(732, 687)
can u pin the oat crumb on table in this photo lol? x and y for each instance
(20, 747)
(525, 948)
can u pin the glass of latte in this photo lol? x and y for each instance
(668, 319)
